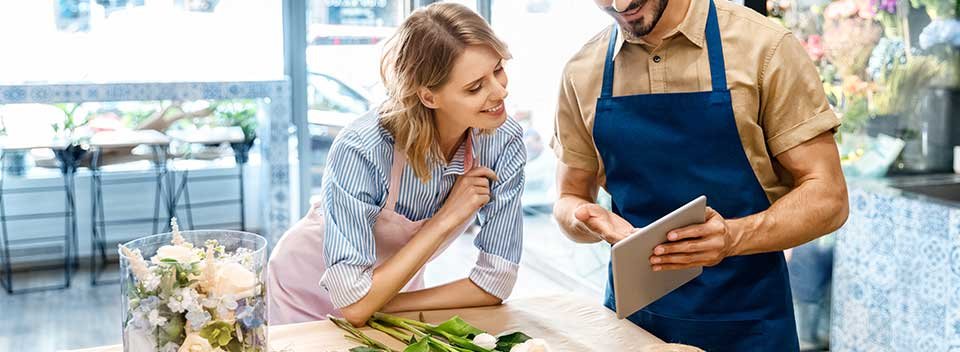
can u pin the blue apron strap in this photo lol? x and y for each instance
(607, 90)
(718, 73)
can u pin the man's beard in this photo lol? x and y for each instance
(640, 28)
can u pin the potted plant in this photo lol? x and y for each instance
(68, 130)
(14, 162)
(242, 114)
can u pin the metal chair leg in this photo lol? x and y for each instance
(185, 188)
(243, 208)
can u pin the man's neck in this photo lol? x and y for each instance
(672, 17)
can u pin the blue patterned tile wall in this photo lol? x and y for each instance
(896, 275)
(273, 133)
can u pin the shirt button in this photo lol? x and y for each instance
(656, 58)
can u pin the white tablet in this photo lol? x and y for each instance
(635, 283)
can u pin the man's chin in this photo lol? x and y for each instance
(637, 29)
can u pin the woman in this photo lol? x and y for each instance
(401, 184)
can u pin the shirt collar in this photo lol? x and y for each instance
(692, 27)
(457, 165)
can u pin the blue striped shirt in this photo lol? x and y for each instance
(355, 190)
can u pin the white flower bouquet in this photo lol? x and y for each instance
(187, 298)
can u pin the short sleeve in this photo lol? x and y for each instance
(572, 142)
(793, 105)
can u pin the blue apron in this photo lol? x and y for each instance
(662, 150)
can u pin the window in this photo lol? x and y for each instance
(68, 41)
(344, 42)
(541, 40)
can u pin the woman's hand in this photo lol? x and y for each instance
(470, 193)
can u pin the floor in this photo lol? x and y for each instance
(87, 316)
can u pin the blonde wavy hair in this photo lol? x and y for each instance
(421, 54)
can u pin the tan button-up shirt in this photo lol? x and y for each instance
(778, 98)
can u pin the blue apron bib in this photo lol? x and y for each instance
(662, 150)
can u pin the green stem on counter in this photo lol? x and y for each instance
(441, 345)
(421, 329)
(458, 341)
(391, 331)
(415, 327)
(393, 318)
(364, 339)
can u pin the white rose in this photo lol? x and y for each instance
(531, 345)
(523, 347)
(486, 341)
(235, 280)
(181, 254)
(196, 343)
(538, 345)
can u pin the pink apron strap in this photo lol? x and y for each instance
(400, 161)
(396, 172)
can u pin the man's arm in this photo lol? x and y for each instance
(580, 218)
(817, 206)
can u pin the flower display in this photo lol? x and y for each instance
(186, 298)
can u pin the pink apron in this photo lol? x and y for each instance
(297, 262)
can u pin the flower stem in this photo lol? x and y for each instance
(421, 330)
(390, 331)
(413, 326)
(343, 324)
(441, 345)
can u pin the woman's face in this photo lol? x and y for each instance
(474, 93)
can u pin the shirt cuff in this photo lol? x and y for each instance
(572, 158)
(804, 131)
(346, 283)
(495, 275)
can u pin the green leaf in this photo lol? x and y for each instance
(458, 327)
(421, 346)
(167, 282)
(217, 333)
(437, 345)
(506, 342)
(224, 339)
(173, 329)
(234, 346)
(460, 342)
(169, 260)
(366, 349)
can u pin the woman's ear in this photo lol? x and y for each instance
(427, 98)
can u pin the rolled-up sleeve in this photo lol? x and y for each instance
(572, 141)
(350, 199)
(794, 106)
(501, 225)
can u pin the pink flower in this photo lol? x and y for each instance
(867, 10)
(854, 85)
(841, 9)
(814, 47)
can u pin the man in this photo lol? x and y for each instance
(683, 98)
